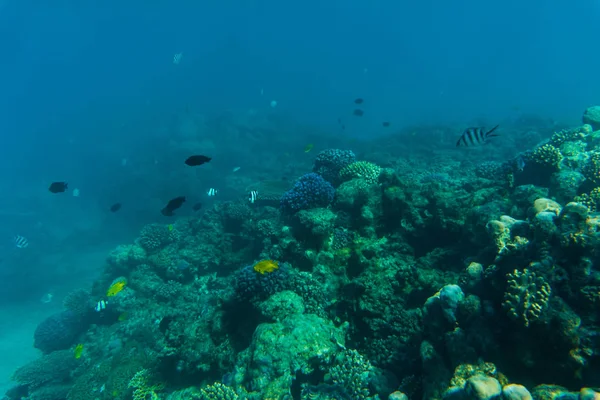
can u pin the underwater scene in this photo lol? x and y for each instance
(317, 200)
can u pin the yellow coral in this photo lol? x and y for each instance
(266, 266)
(141, 383)
(547, 156)
(526, 296)
(361, 169)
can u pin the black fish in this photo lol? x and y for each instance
(475, 136)
(115, 207)
(358, 101)
(197, 206)
(358, 113)
(194, 161)
(385, 124)
(58, 187)
(173, 205)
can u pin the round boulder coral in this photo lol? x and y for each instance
(330, 162)
(310, 191)
(592, 116)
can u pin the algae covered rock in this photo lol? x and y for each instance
(592, 116)
(281, 305)
(283, 349)
(481, 387)
(515, 392)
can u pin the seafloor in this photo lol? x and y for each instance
(425, 276)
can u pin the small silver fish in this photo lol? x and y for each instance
(236, 169)
(21, 242)
(211, 192)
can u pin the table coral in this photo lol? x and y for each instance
(526, 296)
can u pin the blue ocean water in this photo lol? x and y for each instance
(90, 94)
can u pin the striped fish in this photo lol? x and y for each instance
(475, 136)
(253, 196)
(21, 242)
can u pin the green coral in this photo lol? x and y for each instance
(218, 391)
(319, 221)
(361, 170)
(547, 156)
(526, 296)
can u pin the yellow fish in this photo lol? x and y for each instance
(122, 317)
(170, 227)
(115, 288)
(308, 147)
(78, 351)
(266, 266)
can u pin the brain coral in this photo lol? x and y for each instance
(310, 191)
(361, 169)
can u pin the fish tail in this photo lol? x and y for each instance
(489, 133)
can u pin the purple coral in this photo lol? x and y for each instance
(310, 191)
(330, 162)
(249, 284)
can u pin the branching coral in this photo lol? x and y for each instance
(352, 374)
(526, 296)
(547, 156)
(143, 386)
(218, 391)
(567, 135)
(591, 170)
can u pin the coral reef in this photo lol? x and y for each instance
(457, 279)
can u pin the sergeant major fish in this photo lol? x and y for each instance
(475, 136)
(21, 242)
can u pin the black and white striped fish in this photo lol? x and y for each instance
(211, 192)
(253, 196)
(475, 136)
(101, 305)
(21, 242)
